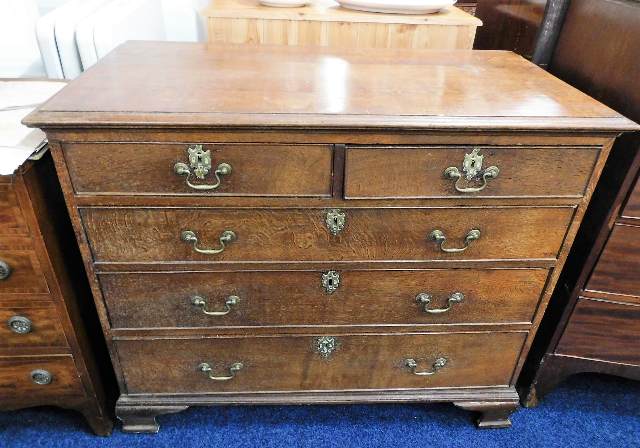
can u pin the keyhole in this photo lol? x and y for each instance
(330, 282)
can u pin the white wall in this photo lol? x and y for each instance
(19, 54)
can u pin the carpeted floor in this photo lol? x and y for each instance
(588, 411)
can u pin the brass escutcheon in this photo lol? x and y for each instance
(200, 166)
(472, 170)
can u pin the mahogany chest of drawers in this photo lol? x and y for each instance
(47, 355)
(285, 225)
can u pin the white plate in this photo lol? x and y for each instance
(284, 3)
(398, 6)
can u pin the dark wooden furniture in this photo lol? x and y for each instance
(510, 25)
(285, 225)
(593, 323)
(48, 337)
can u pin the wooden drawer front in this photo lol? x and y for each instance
(293, 363)
(299, 298)
(41, 326)
(257, 169)
(25, 275)
(12, 221)
(153, 235)
(632, 209)
(600, 329)
(418, 172)
(16, 377)
(618, 269)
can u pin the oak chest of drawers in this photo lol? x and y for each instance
(50, 348)
(283, 225)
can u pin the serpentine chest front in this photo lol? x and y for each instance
(282, 225)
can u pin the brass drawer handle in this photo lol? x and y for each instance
(200, 163)
(208, 371)
(226, 237)
(5, 270)
(41, 377)
(201, 302)
(435, 367)
(425, 299)
(472, 169)
(20, 324)
(439, 237)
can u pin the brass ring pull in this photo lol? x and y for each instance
(5, 270)
(20, 324)
(472, 169)
(201, 302)
(435, 367)
(425, 299)
(226, 237)
(199, 166)
(439, 237)
(208, 371)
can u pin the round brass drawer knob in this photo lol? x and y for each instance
(20, 324)
(5, 270)
(41, 377)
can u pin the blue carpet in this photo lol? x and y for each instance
(586, 411)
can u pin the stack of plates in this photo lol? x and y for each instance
(398, 6)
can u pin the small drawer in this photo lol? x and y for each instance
(12, 220)
(20, 272)
(604, 330)
(632, 208)
(298, 298)
(389, 234)
(31, 327)
(618, 268)
(210, 169)
(43, 377)
(467, 171)
(323, 362)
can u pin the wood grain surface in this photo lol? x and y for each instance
(618, 269)
(603, 330)
(12, 220)
(46, 329)
(294, 298)
(359, 362)
(418, 172)
(26, 275)
(257, 170)
(320, 88)
(632, 208)
(15, 377)
(153, 235)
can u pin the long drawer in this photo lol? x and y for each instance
(442, 171)
(156, 235)
(618, 268)
(604, 330)
(253, 169)
(31, 326)
(328, 362)
(27, 377)
(288, 298)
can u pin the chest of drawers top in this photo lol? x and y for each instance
(178, 85)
